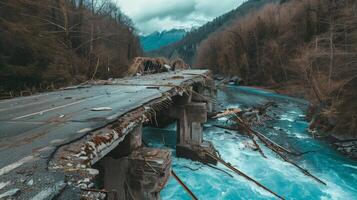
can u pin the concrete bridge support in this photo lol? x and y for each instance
(205, 93)
(190, 117)
(132, 171)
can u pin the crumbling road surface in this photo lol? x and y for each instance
(32, 127)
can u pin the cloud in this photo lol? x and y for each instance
(158, 15)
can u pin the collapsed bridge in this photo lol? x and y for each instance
(57, 144)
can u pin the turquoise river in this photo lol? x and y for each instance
(288, 128)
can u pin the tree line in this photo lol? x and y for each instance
(306, 47)
(46, 44)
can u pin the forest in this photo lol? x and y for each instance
(47, 44)
(304, 48)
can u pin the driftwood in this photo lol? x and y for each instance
(147, 65)
(251, 115)
(258, 147)
(242, 117)
(216, 168)
(228, 112)
(179, 64)
(269, 143)
(249, 135)
(237, 171)
(192, 195)
(277, 149)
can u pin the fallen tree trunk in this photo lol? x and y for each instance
(277, 149)
(243, 174)
(250, 136)
(192, 195)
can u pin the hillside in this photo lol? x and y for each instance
(47, 44)
(186, 48)
(304, 48)
(157, 40)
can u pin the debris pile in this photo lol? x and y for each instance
(244, 119)
(244, 175)
(252, 116)
(179, 64)
(146, 65)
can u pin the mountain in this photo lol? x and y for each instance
(157, 40)
(187, 46)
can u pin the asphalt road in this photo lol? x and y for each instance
(32, 125)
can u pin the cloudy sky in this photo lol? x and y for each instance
(158, 15)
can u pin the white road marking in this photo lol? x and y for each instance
(70, 104)
(57, 141)
(26, 98)
(15, 165)
(101, 109)
(23, 106)
(45, 148)
(112, 117)
(47, 110)
(51, 191)
(84, 130)
(9, 193)
(23, 122)
(4, 184)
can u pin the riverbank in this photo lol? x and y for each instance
(322, 125)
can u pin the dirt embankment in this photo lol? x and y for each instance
(323, 125)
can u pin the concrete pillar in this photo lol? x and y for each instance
(114, 172)
(191, 118)
(190, 133)
(130, 143)
(149, 172)
(135, 138)
(205, 93)
(190, 110)
(183, 128)
(131, 171)
(196, 133)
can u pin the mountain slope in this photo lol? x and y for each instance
(186, 48)
(157, 40)
(46, 44)
(303, 47)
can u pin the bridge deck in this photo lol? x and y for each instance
(31, 127)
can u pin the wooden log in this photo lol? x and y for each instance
(277, 149)
(250, 136)
(192, 195)
(243, 174)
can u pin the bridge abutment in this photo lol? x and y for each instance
(132, 171)
(191, 115)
